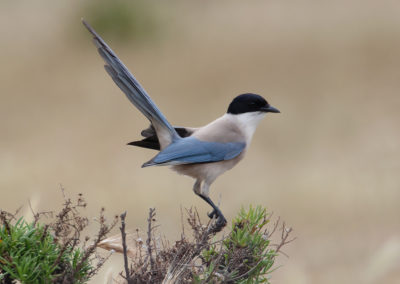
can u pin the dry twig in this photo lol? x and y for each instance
(123, 234)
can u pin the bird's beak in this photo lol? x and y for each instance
(270, 109)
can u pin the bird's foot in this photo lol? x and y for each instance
(213, 214)
(219, 224)
(221, 221)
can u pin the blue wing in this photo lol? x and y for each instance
(192, 151)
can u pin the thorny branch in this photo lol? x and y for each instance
(123, 235)
(153, 262)
(36, 216)
(149, 239)
(285, 232)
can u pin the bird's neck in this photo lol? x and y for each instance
(247, 123)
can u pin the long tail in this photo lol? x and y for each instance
(133, 90)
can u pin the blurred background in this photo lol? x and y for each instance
(329, 164)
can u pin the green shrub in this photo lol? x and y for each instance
(29, 253)
(246, 254)
(51, 252)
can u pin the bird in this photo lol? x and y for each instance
(203, 153)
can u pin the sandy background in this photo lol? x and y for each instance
(329, 164)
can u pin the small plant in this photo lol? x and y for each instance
(245, 255)
(56, 252)
(50, 253)
(29, 253)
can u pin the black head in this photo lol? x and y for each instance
(250, 103)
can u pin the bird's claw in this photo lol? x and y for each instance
(220, 219)
(221, 222)
(213, 214)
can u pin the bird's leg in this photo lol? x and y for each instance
(203, 193)
(221, 221)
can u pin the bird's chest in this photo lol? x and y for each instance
(220, 132)
(208, 171)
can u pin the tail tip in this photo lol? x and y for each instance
(148, 164)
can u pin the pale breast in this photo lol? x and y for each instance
(208, 172)
(221, 130)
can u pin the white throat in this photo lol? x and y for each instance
(248, 123)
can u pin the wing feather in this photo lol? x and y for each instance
(130, 86)
(193, 151)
